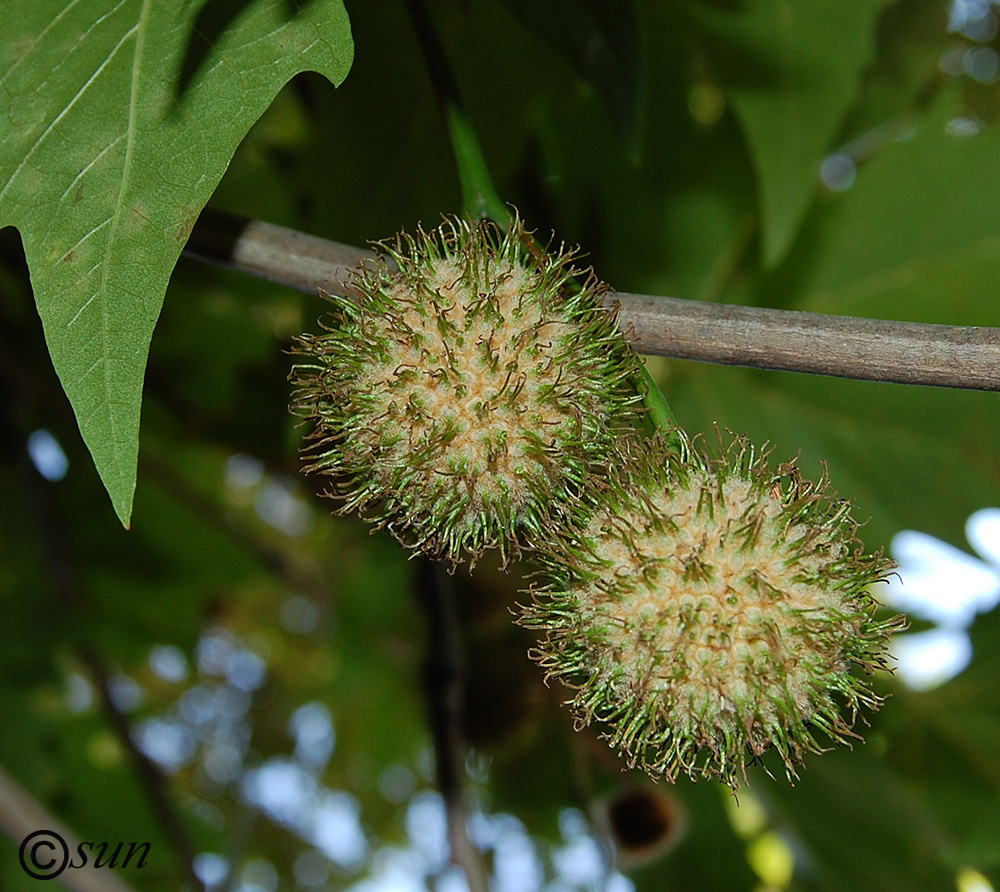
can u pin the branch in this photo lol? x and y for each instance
(152, 780)
(841, 346)
(21, 815)
(445, 690)
(67, 593)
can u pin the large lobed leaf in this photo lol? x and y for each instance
(117, 120)
(791, 71)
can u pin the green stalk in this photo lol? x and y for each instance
(659, 415)
(479, 196)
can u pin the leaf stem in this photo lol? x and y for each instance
(479, 195)
(659, 415)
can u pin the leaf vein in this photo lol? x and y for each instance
(140, 29)
(81, 240)
(66, 110)
(38, 39)
(86, 304)
(93, 161)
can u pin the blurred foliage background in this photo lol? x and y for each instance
(839, 156)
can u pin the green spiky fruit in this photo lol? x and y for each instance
(709, 609)
(467, 391)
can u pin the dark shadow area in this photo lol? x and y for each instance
(601, 42)
(215, 17)
(215, 235)
(211, 23)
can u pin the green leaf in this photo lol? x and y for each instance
(905, 74)
(709, 854)
(947, 740)
(932, 200)
(117, 120)
(791, 71)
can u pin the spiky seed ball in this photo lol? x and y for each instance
(712, 608)
(466, 391)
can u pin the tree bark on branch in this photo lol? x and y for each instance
(841, 346)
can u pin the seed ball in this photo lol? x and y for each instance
(467, 391)
(708, 608)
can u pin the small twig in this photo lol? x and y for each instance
(21, 814)
(151, 778)
(842, 346)
(295, 259)
(445, 689)
(67, 592)
(299, 576)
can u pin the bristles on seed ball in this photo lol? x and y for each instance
(467, 390)
(709, 609)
